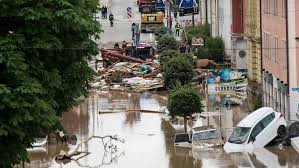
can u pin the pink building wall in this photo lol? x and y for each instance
(275, 26)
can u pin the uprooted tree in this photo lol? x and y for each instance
(184, 101)
(109, 145)
(44, 47)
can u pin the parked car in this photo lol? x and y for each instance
(256, 130)
(199, 137)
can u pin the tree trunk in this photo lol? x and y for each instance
(185, 123)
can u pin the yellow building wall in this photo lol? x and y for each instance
(253, 40)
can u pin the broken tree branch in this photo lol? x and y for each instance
(109, 144)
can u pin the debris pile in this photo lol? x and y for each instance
(129, 76)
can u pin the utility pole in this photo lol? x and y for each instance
(194, 9)
(169, 15)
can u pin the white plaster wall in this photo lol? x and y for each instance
(294, 95)
(241, 63)
(224, 24)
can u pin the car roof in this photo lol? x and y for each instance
(203, 128)
(254, 117)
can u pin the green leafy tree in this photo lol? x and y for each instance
(177, 69)
(202, 53)
(160, 31)
(215, 46)
(44, 48)
(201, 31)
(166, 55)
(184, 101)
(167, 42)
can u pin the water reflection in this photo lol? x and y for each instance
(149, 138)
(267, 157)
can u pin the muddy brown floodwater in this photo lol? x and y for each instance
(149, 138)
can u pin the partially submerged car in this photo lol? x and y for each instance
(203, 137)
(257, 130)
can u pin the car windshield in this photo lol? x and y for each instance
(205, 135)
(239, 135)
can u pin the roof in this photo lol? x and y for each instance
(203, 128)
(255, 116)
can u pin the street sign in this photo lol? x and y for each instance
(197, 41)
(129, 12)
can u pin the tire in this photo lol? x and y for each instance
(294, 129)
(281, 131)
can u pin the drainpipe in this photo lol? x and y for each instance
(261, 38)
(287, 45)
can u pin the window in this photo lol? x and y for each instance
(276, 49)
(266, 121)
(266, 4)
(239, 135)
(275, 7)
(267, 45)
(205, 135)
(256, 130)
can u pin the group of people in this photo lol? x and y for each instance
(104, 11)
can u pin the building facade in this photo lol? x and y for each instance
(293, 57)
(227, 19)
(224, 22)
(253, 36)
(275, 55)
(239, 45)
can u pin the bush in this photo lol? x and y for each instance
(160, 31)
(184, 101)
(202, 53)
(215, 46)
(167, 42)
(166, 55)
(177, 70)
(198, 31)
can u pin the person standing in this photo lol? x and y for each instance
(102, 12)
(177, 29)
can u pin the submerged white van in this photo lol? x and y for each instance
(256, 130)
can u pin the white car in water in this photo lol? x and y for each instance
(203, 137)
(256, 130)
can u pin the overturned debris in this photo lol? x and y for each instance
(129, 77)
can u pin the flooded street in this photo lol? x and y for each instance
(149, 138)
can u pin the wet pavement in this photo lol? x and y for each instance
(149, 138)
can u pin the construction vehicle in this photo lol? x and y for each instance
(151, 5)
(133, 51)
(151, 19)
(140, 3)
(150, 22)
